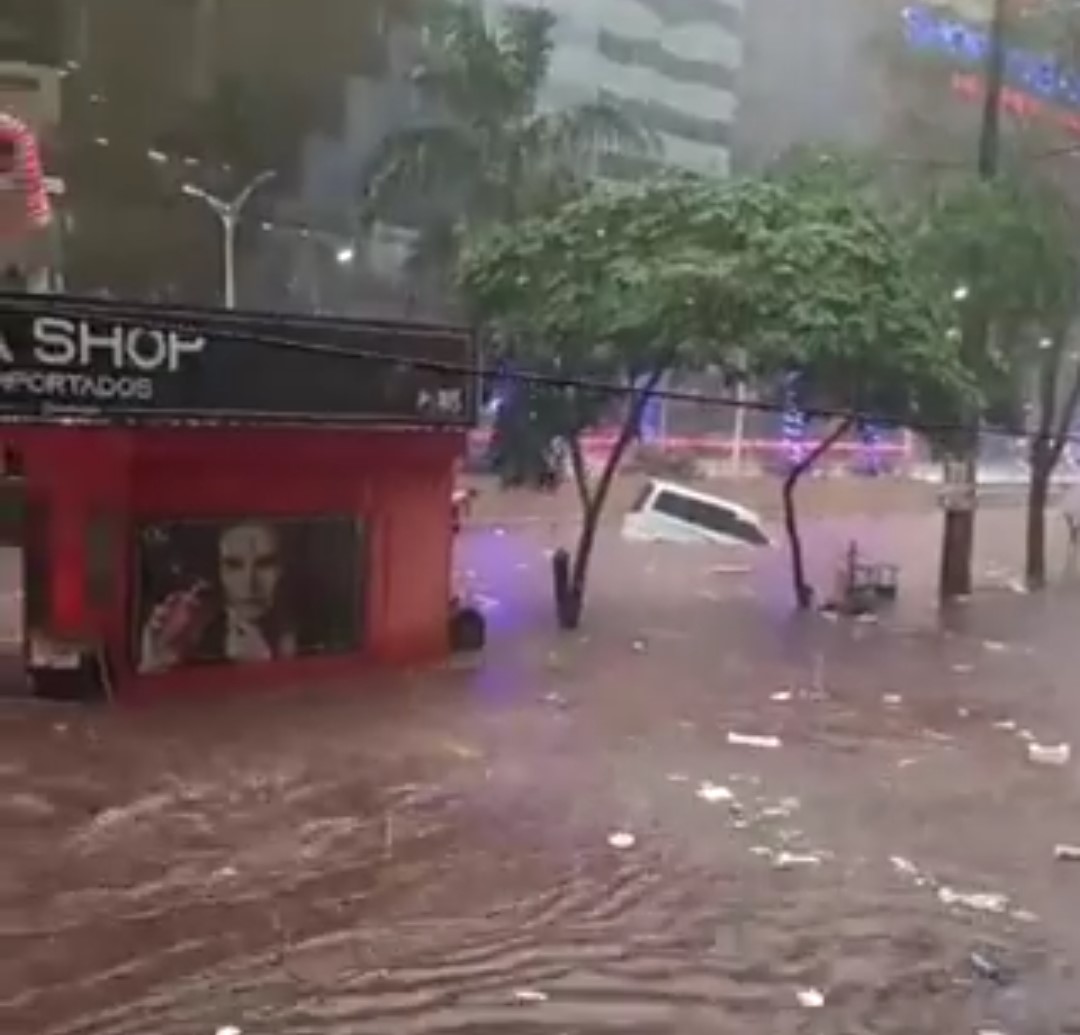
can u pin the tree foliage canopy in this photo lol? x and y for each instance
(1009, 242)
(485, 148)
(792, 273)
(1006, 248)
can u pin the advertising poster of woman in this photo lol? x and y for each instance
(246, 590)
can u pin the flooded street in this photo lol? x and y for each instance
(699, 815)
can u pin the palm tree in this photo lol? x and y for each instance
(487, 151)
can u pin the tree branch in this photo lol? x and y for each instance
(580, 470)
(627, 433)
(815, 454)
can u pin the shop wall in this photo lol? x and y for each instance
(103, 494)
(397, 485)
(77, 496)
(414, 539)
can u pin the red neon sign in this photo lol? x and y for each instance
(1022, 105)
(21, 173)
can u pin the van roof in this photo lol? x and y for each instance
(704, 497)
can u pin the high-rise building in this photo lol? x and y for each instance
(673, 64)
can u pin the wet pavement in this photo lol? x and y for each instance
(698, 815)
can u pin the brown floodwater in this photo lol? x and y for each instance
(562, 838)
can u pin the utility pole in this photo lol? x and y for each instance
(961, 480)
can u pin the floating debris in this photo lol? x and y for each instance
(792, 860)
(229, 1029)
(995, 646)
(639, 646)
(781, 810)
(530, 995)
(981, 901)
(984, 967)
(781, 696)
(905, 866)
(753, 740)
(1008, 725)
(892, 700)
(1067, 853)
(730, 569)
(1049, 754)
(678, 778)
(714, 792)
(810, 998)
(622, 839)
(963, 668)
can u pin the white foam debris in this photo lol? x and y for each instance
(753, 740)
(714, 792)
(622, 839)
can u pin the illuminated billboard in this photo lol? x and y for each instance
(1036, 84)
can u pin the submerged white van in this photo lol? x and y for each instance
(666, 512)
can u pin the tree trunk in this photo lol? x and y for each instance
(1038, 493)
(957, 548)
(804, 594)
(1046, 449)
(958, 534)
(570, 613)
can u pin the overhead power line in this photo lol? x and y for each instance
(543, 379)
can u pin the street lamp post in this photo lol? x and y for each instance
(229, 213)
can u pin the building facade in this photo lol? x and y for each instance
(672, 64)
(31, 45)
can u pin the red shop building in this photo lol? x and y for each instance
(208, 499)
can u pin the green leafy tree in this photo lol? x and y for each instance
(768, 275)
(839, 296)
(1008, 249)
(1018, 139)
(488, 151)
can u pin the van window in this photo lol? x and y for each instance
(712, 516)
(642, 498)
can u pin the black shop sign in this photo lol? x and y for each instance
(62, 356)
